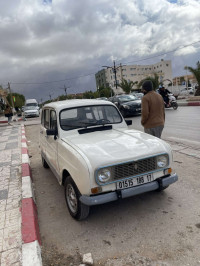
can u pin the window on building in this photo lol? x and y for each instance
(167, 65)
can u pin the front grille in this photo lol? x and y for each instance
(133, 168)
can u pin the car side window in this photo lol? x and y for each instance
(46, 118)
(42, 118)
(53, 120)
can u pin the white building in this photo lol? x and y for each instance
(106, 77)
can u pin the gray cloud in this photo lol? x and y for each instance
(64, 39)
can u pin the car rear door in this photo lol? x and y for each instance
(44, 126)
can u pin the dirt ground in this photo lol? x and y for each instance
(149, 229)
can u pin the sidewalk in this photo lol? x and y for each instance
(19, 233)
(4, 120)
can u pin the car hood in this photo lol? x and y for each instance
(136, 102)
(114, 146)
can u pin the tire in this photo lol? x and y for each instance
(44, 163)
(175, 106)
(77, 209)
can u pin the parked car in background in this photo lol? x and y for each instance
(31, 111)
(187, 91)
(137, 94)
(97, 158)
(102, 98)
(32, 102)
(128, 104)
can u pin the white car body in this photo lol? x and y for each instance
(31, 111)
(87, 155)
(187, 91)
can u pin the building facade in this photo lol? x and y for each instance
(106, 77)
(184, 80)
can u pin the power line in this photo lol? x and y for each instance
(178, 48)
(53, 81)
(81, 76)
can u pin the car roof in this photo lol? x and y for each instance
(59, 105)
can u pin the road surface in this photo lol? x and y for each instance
(149, 229)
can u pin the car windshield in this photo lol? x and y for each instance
(30, 108)
(127, 98)
(31, 104)
(87, 116)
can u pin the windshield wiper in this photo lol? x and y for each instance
(100, 122)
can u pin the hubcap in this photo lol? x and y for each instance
(71, 198)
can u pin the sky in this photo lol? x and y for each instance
(47, 45)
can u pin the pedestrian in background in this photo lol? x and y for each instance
(153, 110)
(8, 113)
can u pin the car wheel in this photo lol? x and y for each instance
(77, 209)
(44, 163)
(175, 106)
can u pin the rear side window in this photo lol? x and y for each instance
(53, 120)
(46, 118)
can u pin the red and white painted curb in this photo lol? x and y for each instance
(31, 251)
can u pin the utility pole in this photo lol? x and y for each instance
(65, 89)
(114, 68)
(115, 72)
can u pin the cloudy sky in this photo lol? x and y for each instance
(48, 44)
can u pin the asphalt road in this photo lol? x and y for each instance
(182, 124)
(150, 229)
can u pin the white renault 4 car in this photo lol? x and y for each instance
(97, 158)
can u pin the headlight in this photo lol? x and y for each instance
(162, 161)
(126, 106)
(104, 175)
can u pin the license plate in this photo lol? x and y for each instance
(138, 109)
(136, 181)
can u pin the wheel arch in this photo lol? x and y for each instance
(65, 175)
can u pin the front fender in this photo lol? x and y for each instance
(74, 163)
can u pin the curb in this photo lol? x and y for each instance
(31, 251)
(188, 103)
(193, 103)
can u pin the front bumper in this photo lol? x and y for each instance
(129, 192)
(31, 115)
(133, 111)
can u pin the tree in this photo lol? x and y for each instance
(88, 95)
(18, 99)
(127, 86)
(196, 73)
(154, 80)
(105, 92)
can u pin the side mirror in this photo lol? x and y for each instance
(128, 122)
(52, 132)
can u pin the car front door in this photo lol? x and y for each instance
(52, 142)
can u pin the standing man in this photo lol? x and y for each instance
(153, 110)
